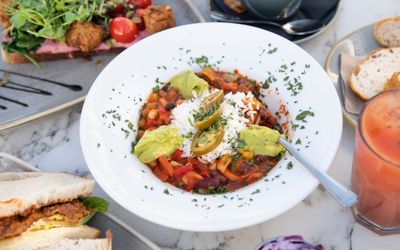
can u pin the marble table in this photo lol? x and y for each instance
(52, 143)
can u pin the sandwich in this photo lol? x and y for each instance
(50, 30)
(48, 211)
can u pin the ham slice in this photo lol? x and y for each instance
(55, 47)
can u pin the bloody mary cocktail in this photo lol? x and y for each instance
(376, 165)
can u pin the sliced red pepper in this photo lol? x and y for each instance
(150, 123)
(191, 178)
(160, 173)
(229, 86)
(166, 165)
(177, 155)
(179, 172)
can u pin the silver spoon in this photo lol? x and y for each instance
(343, 195)
(298, 27)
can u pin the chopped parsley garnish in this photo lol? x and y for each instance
(130, 125)
(202, 61)
(133, 144)
(271, 51)
(298, 141)
(289, 165)
(303, 115)
(156, 89)
(166, 191)
(240, 143)
(265, 85)
(256, 192)
(199, 116)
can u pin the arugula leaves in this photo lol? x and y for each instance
(96, 204)
(33, 21)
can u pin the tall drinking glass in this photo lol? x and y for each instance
(376, 165)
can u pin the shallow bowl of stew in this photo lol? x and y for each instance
(181, 128)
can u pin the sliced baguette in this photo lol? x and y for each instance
(387, 32)
(15, 58)
(22, 191)
(43, 238)
(369, 78)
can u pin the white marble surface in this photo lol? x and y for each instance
(52, 143)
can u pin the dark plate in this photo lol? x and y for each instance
(124, 237)
(308, 9)
(60, 84)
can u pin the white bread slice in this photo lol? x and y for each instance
(22, 191)
(43, 238)
(369, 78)
(82, 244)
(387, 32)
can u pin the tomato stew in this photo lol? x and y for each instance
(228, 172)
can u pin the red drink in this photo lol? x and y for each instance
(376, 166)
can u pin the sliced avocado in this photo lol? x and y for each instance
(162, 141)
(261, 140)
(187, 82)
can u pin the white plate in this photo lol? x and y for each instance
(129, 78)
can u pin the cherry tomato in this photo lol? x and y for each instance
(123, 29)
(141, 25)
(141, 4)
(119, 10)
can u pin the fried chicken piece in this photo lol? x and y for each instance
(4, 17)
(158, 18)
(85, 36)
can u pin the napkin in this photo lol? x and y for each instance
(351, 102)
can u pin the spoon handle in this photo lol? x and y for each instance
(343, 195)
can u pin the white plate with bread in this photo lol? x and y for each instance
(365, 63)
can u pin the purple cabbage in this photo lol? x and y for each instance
(294, 242)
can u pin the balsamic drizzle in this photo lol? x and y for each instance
(71, 87)
(13, 101)
(25, 88)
